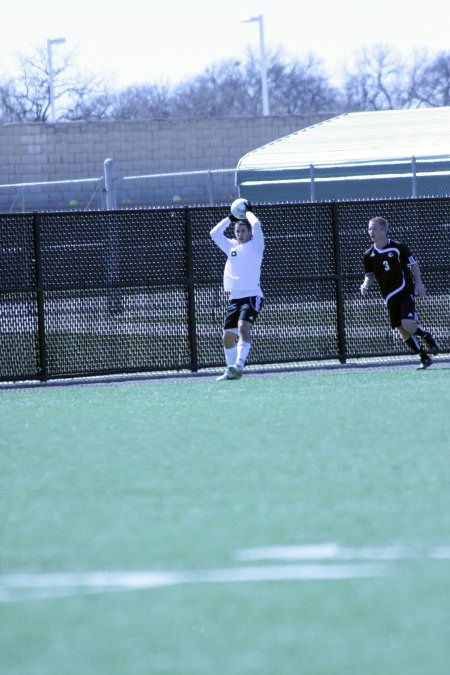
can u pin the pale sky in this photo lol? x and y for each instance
(144, 41)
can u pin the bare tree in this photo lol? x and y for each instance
(144, 101)
(27, 97)
(234, 88)
(414, 73)
(226, 89)
(221, 91)
(379, 79)
(92, 107)
(298, 87)
(137, 102)
(431, 86)
(376, 81)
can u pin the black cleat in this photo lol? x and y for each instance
(425, 361)
(432, 344)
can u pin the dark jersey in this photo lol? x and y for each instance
(391, 267)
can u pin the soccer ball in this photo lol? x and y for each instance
(239, 208)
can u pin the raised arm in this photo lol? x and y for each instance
(258, 236)
(218, 236)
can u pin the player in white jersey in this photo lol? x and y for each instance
(241, 279)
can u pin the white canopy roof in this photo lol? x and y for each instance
(365, 137)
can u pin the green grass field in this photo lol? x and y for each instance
(134, 517)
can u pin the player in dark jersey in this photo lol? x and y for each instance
(393, 265)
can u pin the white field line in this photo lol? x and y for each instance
(333, 551)
(20, 587)
(367, 559)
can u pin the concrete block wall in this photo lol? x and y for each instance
(69, 150)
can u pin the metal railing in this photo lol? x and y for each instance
(109, 191)
(405, 177)
(78, 194)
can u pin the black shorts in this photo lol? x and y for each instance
(242, 309)
(402, 306)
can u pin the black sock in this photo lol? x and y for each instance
(413, 344)
(422, 333)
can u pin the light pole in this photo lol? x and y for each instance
(50, 43)
(262, 57)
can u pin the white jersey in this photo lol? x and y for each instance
(241, 277)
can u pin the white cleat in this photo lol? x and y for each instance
(223, 377)
(231, 373)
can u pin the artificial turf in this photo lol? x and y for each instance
(180, 477)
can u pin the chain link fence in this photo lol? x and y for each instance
(140, 290)
(408, 177)
(81, 194)
(405, 178)
(187, 188)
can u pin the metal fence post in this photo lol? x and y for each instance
(210, 189)
(110, 184)
(191, 284)
(413, 178)
(115, 303)
(340, 304)
(313, 186)
(42, 341)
